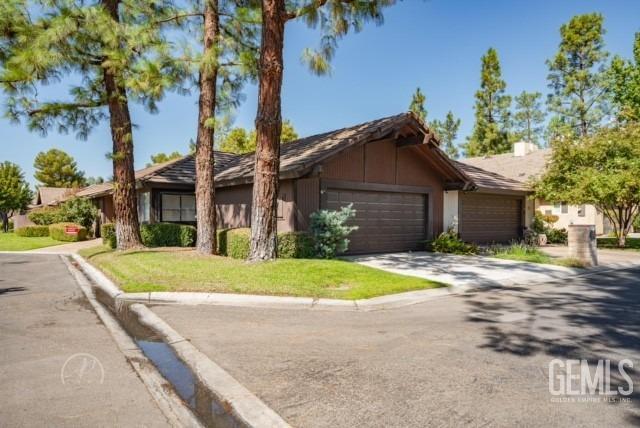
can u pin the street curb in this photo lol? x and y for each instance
(232, 399)
(244, 408)
(169, 403)
(283, 302)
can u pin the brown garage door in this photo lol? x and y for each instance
(490, 218)
(387, 221)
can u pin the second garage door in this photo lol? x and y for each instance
(486, 218)
(387, 221)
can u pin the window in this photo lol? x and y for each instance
(581, 210)
(178, 208)
(560, 208)
(144, 207)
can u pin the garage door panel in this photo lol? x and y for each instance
(387, 221)
(490, 218)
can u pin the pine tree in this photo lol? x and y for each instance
(576, 74)
(163, 157)
(447, 131)
(625, 84)
(528, 117)
(55, 168)
(335, 18)
(492, 116)
(417, 105)
(229, 49)
(118, 55)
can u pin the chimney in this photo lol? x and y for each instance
(523, 148)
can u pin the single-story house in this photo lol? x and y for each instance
(44, 197)
(526, 163)
(404, 188)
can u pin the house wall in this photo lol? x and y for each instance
(591, 215)
(450, 210)
(384, 162)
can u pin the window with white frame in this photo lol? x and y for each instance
(560, 208)
(178, 208)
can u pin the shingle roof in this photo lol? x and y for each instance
(300, 156)
(50, 195)
(520, 168)
(487, 180)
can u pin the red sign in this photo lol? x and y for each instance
(71, 230)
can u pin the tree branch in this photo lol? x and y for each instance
(179, 17)
(63, 107)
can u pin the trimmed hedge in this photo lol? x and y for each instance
(46, 216)
(57, 232)
(168, 235)
(108, 233)
(236, 243)
(32, 231)
(295, 245)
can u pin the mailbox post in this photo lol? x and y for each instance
(582, 243)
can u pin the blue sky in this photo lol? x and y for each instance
(433, 44)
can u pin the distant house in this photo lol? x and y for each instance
(524, 164)
(44, 197)
(392, 171)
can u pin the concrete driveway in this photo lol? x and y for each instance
(475, 359)
(465, 271)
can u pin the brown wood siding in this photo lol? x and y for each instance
(307, 199)
(348, 165)
(286, 208)
(233, 205)
(486, 218)
(385, 163)
(387, 221)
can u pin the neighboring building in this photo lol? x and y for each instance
(526, 163)
(44, 197)
(391, 170)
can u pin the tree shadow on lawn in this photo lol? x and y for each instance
(592, 317)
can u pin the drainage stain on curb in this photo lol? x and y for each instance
(194, 394)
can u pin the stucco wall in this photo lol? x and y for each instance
(591, 215)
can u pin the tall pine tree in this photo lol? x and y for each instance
(447, 131)
(56, 168)
(335, 18)
(528, 117)
(576, 74)
(492, 116)
(417, 105)
(114, 55)
(625, 84)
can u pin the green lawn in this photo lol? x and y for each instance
(13, 242)
(632, 243)
(184, 270)
(533, 255)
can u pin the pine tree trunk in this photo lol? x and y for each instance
(5, 221)
(268, 130)
(124, 192)
(205, 189)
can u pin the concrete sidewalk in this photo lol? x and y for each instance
(466, 271)
(59, 365)
(71, 248)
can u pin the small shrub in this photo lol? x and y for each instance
(449, 242)
(168, 235)
(557, 236)
(221, 241)
(238, 243)
(78, 210)
(108, 233)
(537, 224)
(32, 231)
(550, 219)
(330, 231)
(295, 245)
(57, 232)
(46, 216)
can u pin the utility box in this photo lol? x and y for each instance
(583, 244)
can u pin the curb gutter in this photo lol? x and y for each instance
(235, 405)
(167, 400)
